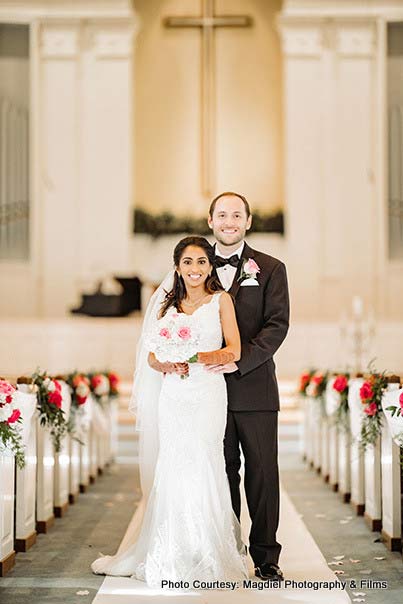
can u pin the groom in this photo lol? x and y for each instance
(258, 284)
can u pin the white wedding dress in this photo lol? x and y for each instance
(189, 530)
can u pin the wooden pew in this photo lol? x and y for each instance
(357, 455)
(391, 470)
(25, 488)
(61, 482)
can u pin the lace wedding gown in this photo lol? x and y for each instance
(189, 530)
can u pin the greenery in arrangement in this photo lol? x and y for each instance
(371, 393)
(50, 407)
(10, 418)
(340, 384)
(167, 223)
(104, 385)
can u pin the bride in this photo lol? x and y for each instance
(189, 531)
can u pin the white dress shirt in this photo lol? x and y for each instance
(226, 273)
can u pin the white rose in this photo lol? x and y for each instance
(6, 412)
(82, 389)
(311, 390)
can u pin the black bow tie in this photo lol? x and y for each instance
(232, 260)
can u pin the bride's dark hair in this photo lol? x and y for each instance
(178, 292)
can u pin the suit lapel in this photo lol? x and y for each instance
(247, 253)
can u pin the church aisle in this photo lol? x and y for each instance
(339, 532)
(58, 565)
(301, 562)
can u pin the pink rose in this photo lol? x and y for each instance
(6, 388)
(366, 392)
(184, 333)
(401, 400)
(165, 333)
(340, 383)
(251, 268)
(57, 385)
(371, 409)
(55, 398)
(14, 417)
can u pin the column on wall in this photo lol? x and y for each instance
(84, 98)
(330, 141)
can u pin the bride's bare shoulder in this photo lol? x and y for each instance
(225, 300)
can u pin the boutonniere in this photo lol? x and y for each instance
(249, 272)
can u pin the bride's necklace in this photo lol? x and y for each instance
(193, 304)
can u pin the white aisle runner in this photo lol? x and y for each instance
(301, 561)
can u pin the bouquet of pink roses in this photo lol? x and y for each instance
(175, 338)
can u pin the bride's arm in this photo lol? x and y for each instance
(232, 351)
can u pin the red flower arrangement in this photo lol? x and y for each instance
(304, 380)
(114, 382)
(80, 387)
(50, 407)
(340, 384)
(10, 415)
(371, 393)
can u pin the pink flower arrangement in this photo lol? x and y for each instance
(340, 383)
(10, 437)
(371, 409)
(8, 413)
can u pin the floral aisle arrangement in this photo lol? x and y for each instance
(317, 387)
(10, 417)
(371, 393)
(174, 339)
(80, 389)
(340, 385)
(100, 386)
(304, 380)
(50, 409)
(396, 410)
(114, 383)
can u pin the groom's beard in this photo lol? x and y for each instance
(227, 241)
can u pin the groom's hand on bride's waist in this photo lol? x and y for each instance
(222, 368)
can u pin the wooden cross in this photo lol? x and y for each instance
(207, 23)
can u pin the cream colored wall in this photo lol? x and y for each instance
(167, 107)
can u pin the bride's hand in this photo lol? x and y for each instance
(181, 368)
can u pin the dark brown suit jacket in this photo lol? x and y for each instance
(263, 318)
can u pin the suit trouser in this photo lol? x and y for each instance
(256, 433)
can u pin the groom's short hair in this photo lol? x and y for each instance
(229, 194)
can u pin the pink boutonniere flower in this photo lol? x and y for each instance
(250, 270)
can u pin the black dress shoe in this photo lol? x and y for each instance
(269, 572)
